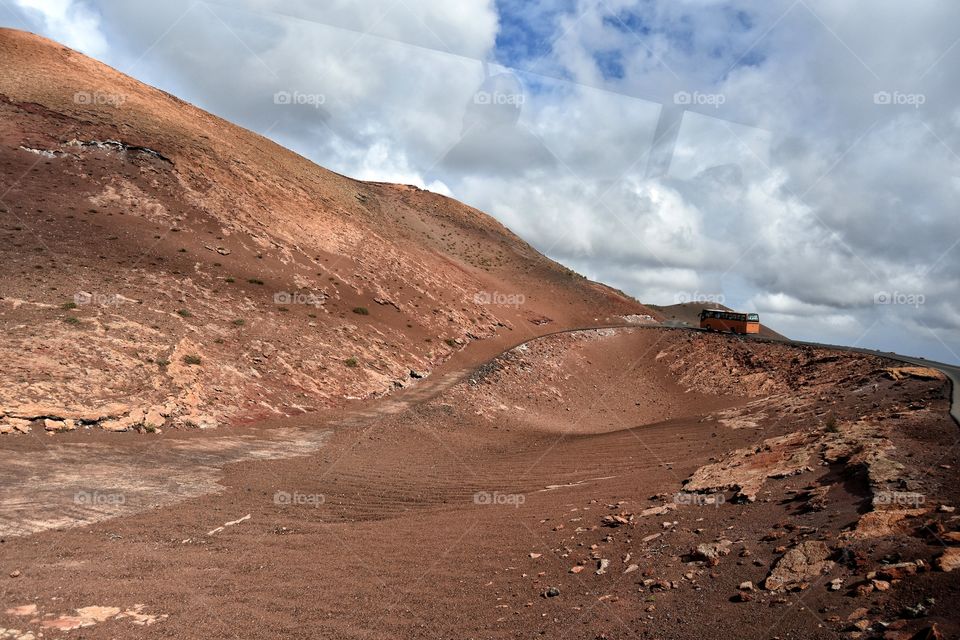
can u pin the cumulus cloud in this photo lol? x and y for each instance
(70, 22)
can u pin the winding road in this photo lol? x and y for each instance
(951, 371)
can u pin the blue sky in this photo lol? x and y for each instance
(795, 158)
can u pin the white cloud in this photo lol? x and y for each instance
(70, 22)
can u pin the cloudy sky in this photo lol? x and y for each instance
(797, 158)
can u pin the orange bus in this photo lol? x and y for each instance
(732, 321)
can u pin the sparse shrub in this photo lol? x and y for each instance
(66, 306)
(451, 342)
(255, 281)
(231, 280)
(162, 363)
(361, 311)
(351, 362)
(72, 320)
(191, 359)
(239, 322)
(184, 313)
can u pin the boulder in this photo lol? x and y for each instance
(921, 373)
(806, 561)
(880, 524)
(23, 426)
(659, 511)
(950, 559)
(712, 551)
(154, 419)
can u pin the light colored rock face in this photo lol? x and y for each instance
(154, 419)
(58, 425)
(85, 617)
(799, 565)
(76, 483)
(745, 470)
(921, 373)
(880, 524)
(950, 560)
(865, 443)
(712, 551)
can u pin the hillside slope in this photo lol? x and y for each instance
(163, 266)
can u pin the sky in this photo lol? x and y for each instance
(794, 158)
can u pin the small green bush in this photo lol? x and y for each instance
(191, 359)
(361, 311)
(351, 362)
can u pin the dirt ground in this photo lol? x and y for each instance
(461, 507)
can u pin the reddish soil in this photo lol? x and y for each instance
(388, 530)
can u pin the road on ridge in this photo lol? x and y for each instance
(951, 371)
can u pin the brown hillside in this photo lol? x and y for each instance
(161, 261)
